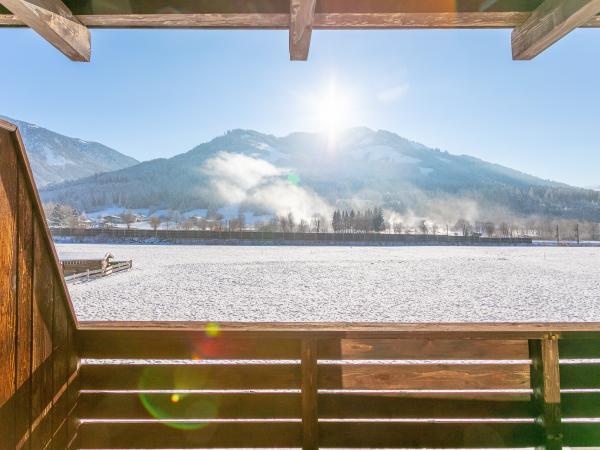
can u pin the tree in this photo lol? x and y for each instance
(336, 222)
(128, 218)
(423, 228)
(463, 227)
(315, 223)
(155, 222)
(378, 220)
(291, 222)
(303, 226)
(490, 229)
(397, 227)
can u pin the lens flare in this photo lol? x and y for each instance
(212, 329)
(178, 405)
(293, 178)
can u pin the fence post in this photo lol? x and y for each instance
(310, 417)
(88, 275)
(545, 382)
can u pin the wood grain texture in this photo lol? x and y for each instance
(401, 406)
(357, 330)
(310, 413)
(428, 435)
(181, 344)
(8, 285)
(545, 382)
(424, 376)
(52, 20)
(24, 314)
(190, 406)
(423, 349)
(42, 311)
(158, 435)
(186, 376)
(302, 13)
(551, 21)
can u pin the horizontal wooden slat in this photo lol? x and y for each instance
(298, 330)
(195, 376)
(581, 434)
(579, 348)
(425, 376)
(323, 20)
(578, 376)
(584, 404)
(423, 349)
(158, 435)
(395, 406)
(182, 345)
(436, 435)
(188, 406)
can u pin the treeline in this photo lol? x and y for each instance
(368, 221)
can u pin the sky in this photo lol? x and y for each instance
(157, 93)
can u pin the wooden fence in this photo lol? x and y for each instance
(115, 267)
(91, 385)
(281, 237)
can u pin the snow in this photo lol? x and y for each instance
(369, 284)
(382, 153)
(54, 159)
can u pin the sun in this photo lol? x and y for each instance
(333, 109)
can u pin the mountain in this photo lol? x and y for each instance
(56, 158)
(308, 173)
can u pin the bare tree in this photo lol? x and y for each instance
(128, 218)
(490, 229)
(155, 222)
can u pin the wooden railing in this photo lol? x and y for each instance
(69, 384)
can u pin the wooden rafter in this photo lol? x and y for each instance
(54, 22)
(552, 20)
(302, 14)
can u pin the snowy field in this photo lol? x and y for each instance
(319, 284)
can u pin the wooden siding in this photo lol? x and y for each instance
(37, 359)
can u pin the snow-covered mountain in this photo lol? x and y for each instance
(308, 172)
(56, 158)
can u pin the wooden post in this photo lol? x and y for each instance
(545, 382)
(310, 417)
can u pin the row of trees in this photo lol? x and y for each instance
(343, 221)
(370, 220)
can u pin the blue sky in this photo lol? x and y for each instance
(156, 93)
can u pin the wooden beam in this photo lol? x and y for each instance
(302, 14)
(52, 20)
(310, 415)
(545, 382)
(325, 21)
(552, 20)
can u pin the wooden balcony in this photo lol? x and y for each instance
(91, 385)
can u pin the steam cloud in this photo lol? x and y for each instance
(239, 179)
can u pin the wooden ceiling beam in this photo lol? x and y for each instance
(302, 15)
(552, 20)
(321, 20)
(52, 20)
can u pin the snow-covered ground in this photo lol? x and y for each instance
(370, 284)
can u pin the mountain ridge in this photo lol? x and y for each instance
(56, 158)
(307, 173)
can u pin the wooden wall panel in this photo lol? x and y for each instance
(43, 299)
(8, 297)
(36, 320)
(24, 315)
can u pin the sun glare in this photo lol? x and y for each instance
(332, 109)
